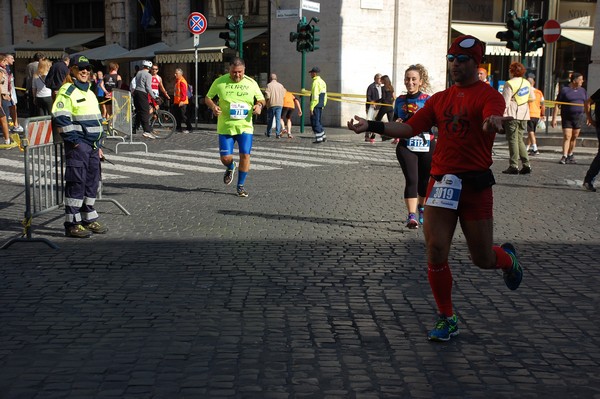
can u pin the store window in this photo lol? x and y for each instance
(75, 16)
(478, 10)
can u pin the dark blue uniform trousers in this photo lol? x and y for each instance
(82, 178)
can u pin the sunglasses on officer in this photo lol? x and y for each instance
(85, 68)
(460, 58)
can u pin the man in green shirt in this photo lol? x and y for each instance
(318, 100)
(239, 99)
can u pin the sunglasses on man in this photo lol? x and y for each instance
(460, 58)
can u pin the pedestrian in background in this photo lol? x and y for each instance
(30, 71)
(290, 102)
(181, 101)
(372, 105)
(414, 154)
(57, 74)
(111, 81)
(572, 116)
(387, 99)
(239, 98)
(41, 93)
(482, 73)
(77, 119)
(468, 115)
(10, 104)
(537, 112)
(318, 101)
(98, 80)
(517, 94)
(274, 95)
(143, 89)
(594, 169)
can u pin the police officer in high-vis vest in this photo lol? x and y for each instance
(76, 117)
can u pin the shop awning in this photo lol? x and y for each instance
(108, 52)
(144, 53)
(210, 48)
(487, 33)
(55, 46)
(583, 36)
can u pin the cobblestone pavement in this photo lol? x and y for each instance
(309, 288)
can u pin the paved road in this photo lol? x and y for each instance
(309, 288)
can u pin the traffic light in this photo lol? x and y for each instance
(231, 36)
(512, 36)
(535, 34)
(312, 37)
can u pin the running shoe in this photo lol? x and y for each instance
(563, 160)
(571, 159)
(149, 135)
(514, 275)
(421, 214)
(444, 329)
(411, 221)
(229, 173)
(241, 192)
(17, 128)
(589, 186)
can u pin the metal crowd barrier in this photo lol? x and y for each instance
(122, 119)
(44, 176)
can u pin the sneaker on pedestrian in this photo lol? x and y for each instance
(444, 329)
(18, 128)
(241, 192)
(319, 141)
(589, 186)
(514, 275)
(571, 159)
(186, 131)
(411, 221)
(96, 228)
(77, 231)
(372, 141)
(149, 135)
(229, 173)
(525, 170)
(563, 160)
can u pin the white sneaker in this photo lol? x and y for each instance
(17, 128)
(149, 135)
(185, 131)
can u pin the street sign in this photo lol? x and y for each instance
(311, 6)
(551, 31)
(291, 13)
(196, 23)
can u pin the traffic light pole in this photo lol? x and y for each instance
(302, 82)
(240, 36)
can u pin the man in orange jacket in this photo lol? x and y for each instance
(181, 101)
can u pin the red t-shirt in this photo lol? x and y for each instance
(459, 112)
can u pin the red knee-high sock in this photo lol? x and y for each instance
(503, 259)
(440, 280)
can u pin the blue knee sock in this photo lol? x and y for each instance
(242, 178)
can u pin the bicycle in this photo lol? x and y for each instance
(162, 122)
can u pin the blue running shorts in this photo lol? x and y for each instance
(226, 141)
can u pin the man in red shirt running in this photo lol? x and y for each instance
(468, 115)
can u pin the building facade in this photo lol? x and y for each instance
(358, 38)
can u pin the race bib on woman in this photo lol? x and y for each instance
(445, 193)
(239, 110)
(420, 143)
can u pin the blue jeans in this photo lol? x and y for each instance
(274, 112)
(315, 121)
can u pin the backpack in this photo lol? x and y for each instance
(190, 91)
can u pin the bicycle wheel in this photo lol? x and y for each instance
(163, 125)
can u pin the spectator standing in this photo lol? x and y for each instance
(387, 100)
(318, 101)
(373, 96)
(77, 119)
(482, 74)
(290, 102)
(239, 99)
(31, 70)
(143, 89)
(414, 154)
(468, 114)
(41, 93)
(572, 116)
(517, 94)
(274, 95)
(594, 169)
(181, 101)
(537, 112)
(111, 81)
(98, 79)
(3, 120)
(57, 74)
(157, 84)
(10, 105)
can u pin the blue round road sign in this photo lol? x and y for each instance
(197, 23)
